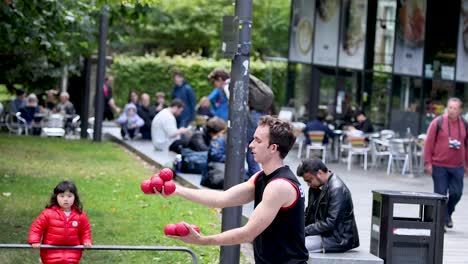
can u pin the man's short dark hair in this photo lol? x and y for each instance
(218, 74)
(358, 113)
(177, 72)
(320, 116)
(215, 125)
(177, 103)
(311, 166)
(19, 92)
(281, 133)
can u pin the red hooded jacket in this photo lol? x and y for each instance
(53, 228)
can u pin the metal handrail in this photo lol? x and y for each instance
(108, 247)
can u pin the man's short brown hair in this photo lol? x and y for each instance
(281, 133)
(215, 125)
(177, 72)
(218, 74)
(177, 103)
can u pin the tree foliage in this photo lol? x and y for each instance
(151, 74)
(40, 37)
(195, 26)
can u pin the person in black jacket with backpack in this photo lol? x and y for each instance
(329, 221)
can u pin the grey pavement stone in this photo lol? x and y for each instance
(350, 257)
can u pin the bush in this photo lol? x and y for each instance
(152, 74)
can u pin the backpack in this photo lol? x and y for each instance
(260, 95)
(194, 161)
(440, 119)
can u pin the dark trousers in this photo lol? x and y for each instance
(448, 180)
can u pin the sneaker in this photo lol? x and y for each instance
(449, 224)
(137, 136)
(126, 137)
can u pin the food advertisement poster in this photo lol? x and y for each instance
(410, 33)
(353, 34)
(302, 31)
(462, 51)
(326, 32)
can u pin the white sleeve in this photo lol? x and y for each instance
(171, 127)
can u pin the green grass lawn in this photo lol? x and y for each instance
(108, 180)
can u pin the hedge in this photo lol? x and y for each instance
(151, 74)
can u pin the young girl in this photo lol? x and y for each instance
(62, 223)
(130, 122)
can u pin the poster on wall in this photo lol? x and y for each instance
(302, 28)
(353, 34)
(326, 32)
(410, 34)
(462, 50)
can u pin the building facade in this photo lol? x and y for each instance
(397, 60)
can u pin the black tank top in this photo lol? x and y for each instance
(283, 241)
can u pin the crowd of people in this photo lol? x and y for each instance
(195, 131)
(33, 108)
(281, 228)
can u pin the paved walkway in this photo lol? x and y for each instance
(361, 183)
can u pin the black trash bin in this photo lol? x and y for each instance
(408, 227)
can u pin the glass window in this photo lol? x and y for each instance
(441, 39)
(378, 109)
(461, 91)
(302, 91)
(384, 35)
(406, 105)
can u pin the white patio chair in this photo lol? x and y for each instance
(358, 146)
(316, 143)
(379, 151)
(399, 151)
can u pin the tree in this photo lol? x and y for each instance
(194, 26)
(40, 37)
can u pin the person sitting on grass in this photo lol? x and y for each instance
(130, 122)
(213, 176)
(329, 221)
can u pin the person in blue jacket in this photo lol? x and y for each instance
(318, 125)
(184, 92)
(220, 94)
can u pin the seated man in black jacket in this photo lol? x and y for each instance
(147, 112)
(329, 220)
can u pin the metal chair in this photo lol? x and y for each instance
(358, 146)
(387, 134)
(300, 138)
(398, 152)
(316, 143)
(53, 125)
(379, 150)
(16, 124)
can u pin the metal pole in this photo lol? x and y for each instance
(85, 103)
(109, 247)
(237, 126)
(101, 71)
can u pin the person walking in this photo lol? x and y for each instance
(446, 155)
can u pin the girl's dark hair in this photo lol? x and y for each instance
(129, 99)
(61, 188)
